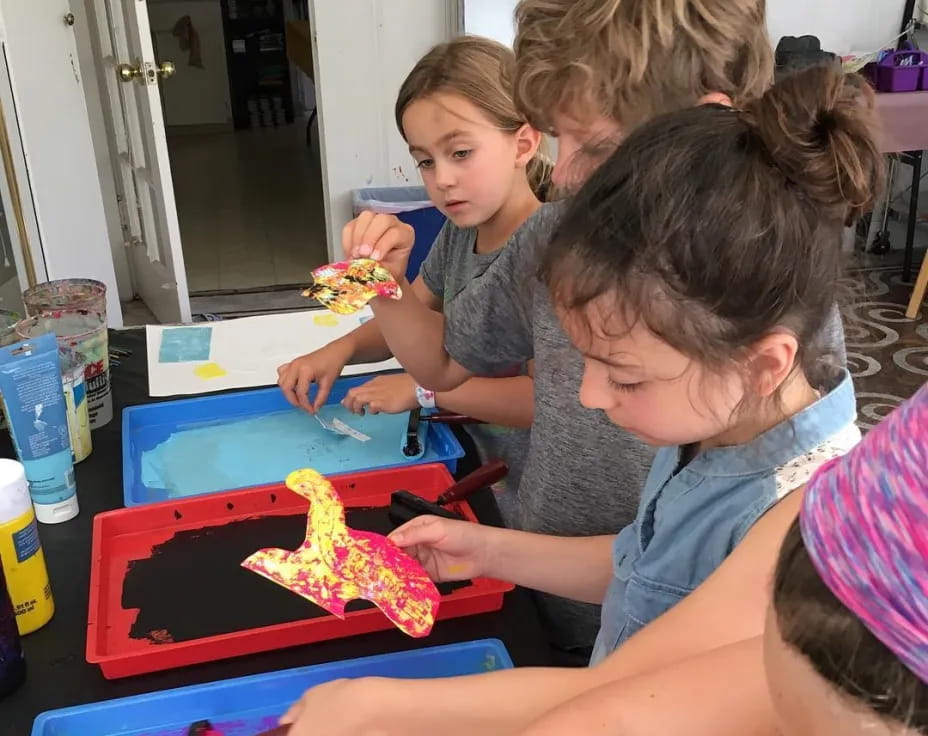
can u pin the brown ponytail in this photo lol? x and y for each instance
(480, 70)
(715, 226)
(818, 127)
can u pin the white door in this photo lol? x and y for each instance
(139, 150)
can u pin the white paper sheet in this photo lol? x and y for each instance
(248, 351)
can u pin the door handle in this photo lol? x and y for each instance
(129, 72)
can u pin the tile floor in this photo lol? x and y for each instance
(250, 207)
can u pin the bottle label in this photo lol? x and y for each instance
(26, 541)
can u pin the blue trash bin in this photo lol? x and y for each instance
(412, 206)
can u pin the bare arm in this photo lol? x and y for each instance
(728, 608)
(367, 342)
(415, 334)
(579, 568)
(722, 692)
(508, 402)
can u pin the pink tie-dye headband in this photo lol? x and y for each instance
(864, 521)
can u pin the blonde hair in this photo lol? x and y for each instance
(631, 60)
(481, 71)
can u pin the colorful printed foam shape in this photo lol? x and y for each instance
(347, 286)
(337, 564)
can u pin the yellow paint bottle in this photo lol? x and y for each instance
(21, 552)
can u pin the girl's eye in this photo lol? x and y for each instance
(628, 387)
(461, 154)
(425, 163)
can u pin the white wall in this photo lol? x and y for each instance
(490, 18)
(844, 26)
(62, 171)
(364, 50)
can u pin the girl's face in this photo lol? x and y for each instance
(805, 703)
(469, 166)
(648, 387)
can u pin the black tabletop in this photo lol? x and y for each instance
(58, 676)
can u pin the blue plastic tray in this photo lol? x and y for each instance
(223, 442)
(248, 705)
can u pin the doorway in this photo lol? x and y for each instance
(239, 116)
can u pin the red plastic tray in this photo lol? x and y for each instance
(129, 534)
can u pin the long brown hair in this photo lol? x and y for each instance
(715, 226)
(481, 71)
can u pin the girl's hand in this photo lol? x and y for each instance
(347, 708)
(383, 238)
(384, 394)
(323, 366)
(449, 550)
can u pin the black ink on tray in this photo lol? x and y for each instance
(193, 585)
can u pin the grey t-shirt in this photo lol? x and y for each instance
(583, 475)
(450, 266)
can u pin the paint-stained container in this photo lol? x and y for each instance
(75, 397)
(84, 332)
(65, 294)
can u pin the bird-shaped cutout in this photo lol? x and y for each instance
(337, 564)
(346, 287)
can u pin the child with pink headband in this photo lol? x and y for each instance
(846, 645)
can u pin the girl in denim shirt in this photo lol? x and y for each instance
(692, 271)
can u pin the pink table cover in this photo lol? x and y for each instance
(905, 121)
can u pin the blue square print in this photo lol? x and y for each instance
(185, 344)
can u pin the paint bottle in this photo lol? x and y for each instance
(21, 552)
(12, 662)
(30, 381)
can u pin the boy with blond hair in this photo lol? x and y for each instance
(588, 72)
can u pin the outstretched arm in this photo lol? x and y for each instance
(722, 692)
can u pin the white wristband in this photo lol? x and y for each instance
(425, 397)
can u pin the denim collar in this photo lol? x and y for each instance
(803, 432)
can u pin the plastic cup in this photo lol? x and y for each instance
(84, 332)
(65, 294)
(75, 397)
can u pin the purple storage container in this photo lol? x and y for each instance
(902, 71)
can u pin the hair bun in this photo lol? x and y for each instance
(819, 128)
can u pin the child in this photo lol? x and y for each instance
(695, 343)
(480, 164)
(587, 71)
(847, 638)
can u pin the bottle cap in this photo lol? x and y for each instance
(14, 490)
(55, 513)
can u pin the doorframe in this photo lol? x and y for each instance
(15, 187)
(56, 174)
(336, 206)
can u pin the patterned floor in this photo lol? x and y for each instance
(887, 353)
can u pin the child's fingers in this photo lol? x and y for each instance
(354, 400)
(324, 387)
(348, 233)
(301, 391)
(423, 530)
(287, 382)
(375, 236)
(293, 713)
(354, 238)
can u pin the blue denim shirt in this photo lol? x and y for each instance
(689, 520)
